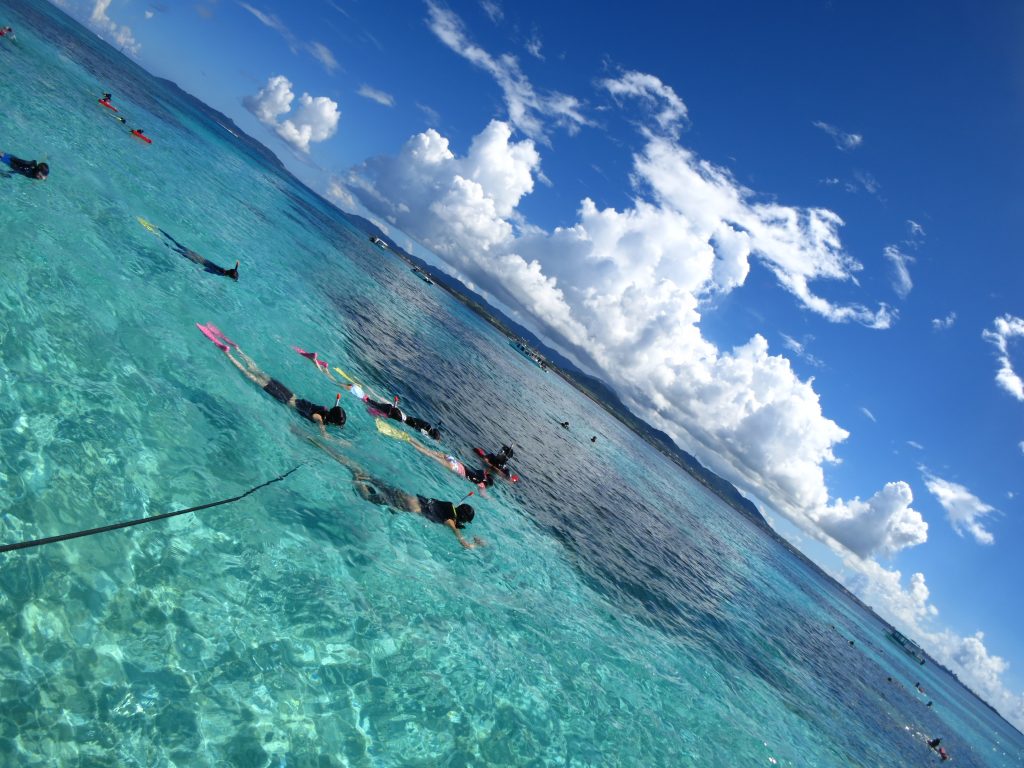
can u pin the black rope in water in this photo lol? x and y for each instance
(141, 520)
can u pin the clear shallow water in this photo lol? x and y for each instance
(620, 615)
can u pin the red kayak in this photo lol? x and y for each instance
(107, 104)
(139, 135)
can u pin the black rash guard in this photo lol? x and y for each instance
(436, 511)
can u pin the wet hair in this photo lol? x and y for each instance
(44, 169)
(464, 515)
(488, 480)
(435, 433)
(336, 415)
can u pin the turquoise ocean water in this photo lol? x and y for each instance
(620, 616)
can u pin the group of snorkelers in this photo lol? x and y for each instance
(39, 171)
(452, 515)
(105, 100)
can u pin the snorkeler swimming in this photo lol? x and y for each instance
(188, 253)
(28, 168)
(392, 411)
(481, 478)
(453, 516)
(499, 461)
(318, 414)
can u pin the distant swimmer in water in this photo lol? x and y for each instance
(7, 32)
(28, 168)
(593, 439)
(934, 744)
(564, 424)
(188, 253)
(318, 414)
(455, 517)
(392, 411)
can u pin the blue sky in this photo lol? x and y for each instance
(784, 233)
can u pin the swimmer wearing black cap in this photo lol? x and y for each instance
(318, 414)
(28, 168)
(453, 516)
(198, 258)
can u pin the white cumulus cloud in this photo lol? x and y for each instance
(963, 508)
(942, 323)
(1006, 329)
(884, 524)
(121, 34)
(314, 119)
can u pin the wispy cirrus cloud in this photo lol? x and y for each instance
(1007, 328)
(493, 10)
(323, 54)
(942, 323)
(799, 348)
(868, 414)
(901, 262)
(318, 51)
(385, 99)
(533, 47)
(527, 108)
(670, 111)
(844, 141)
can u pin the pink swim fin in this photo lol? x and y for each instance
(311, 356)
(205, 330)
(220, 334)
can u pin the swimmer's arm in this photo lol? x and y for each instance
(320, 423)
(435, 455)
(476, 542)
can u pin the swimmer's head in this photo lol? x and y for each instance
(434, 433)
(233, 272)
(42, 171)
(336, 416)
(464, 515)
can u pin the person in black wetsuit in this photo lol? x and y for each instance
(455, 517)
(28, 168)
(392, 411)
(501, 459)
(318, 414)
(209, 266)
